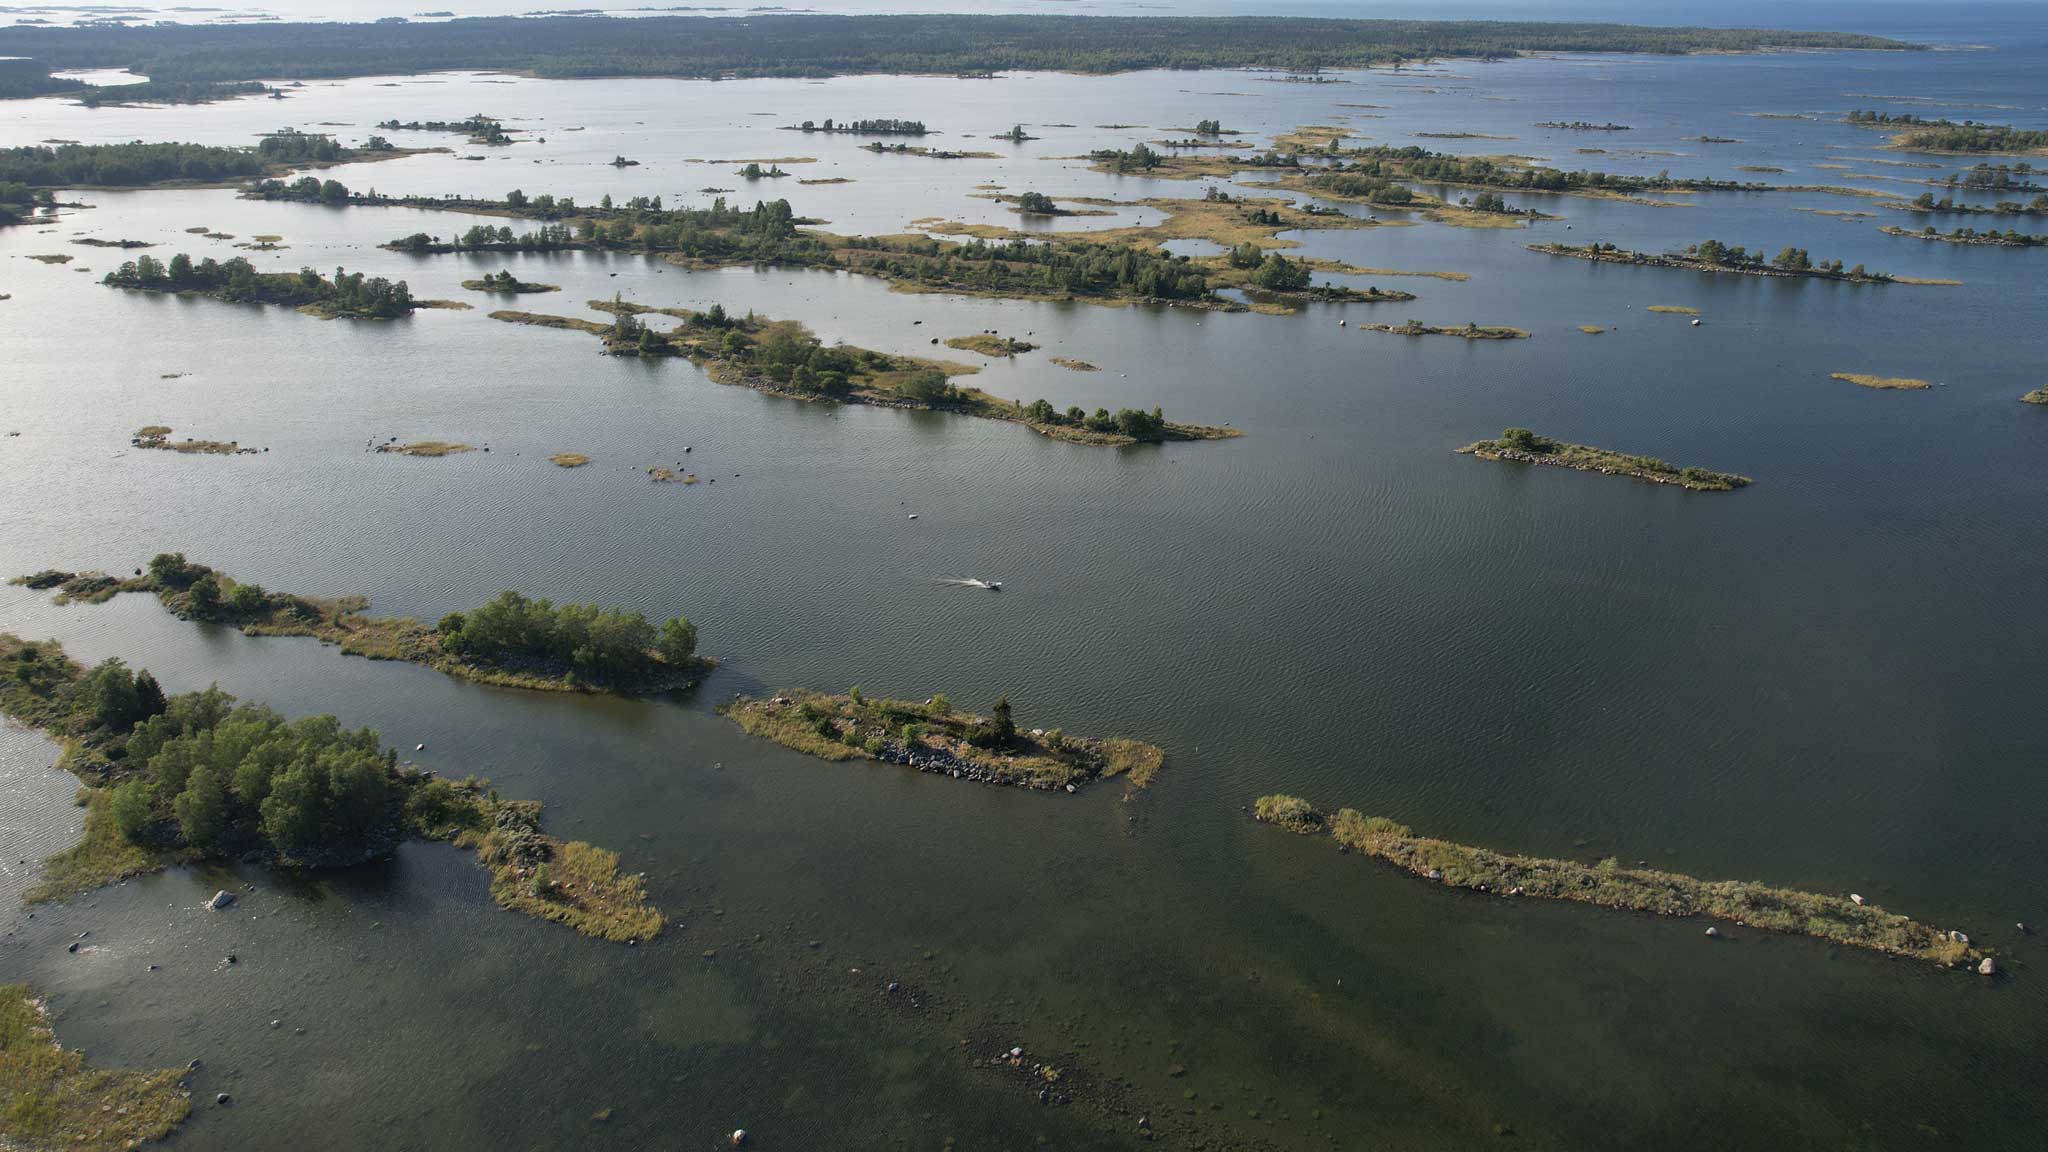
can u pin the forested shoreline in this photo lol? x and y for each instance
(819, 45)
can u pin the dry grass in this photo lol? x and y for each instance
(1073, 365)
(568, 459)
(2037, 396)
(1584, 458)
(1897, 383)
(50, 1098)
(990, 345)
(1311, 138)
(1673, 309)
(583, 889)
(426, 448)
(1610, 885)
(1591, 329)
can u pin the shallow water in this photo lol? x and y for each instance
(1827, 680)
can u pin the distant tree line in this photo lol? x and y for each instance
(760, 44)
(866, 127)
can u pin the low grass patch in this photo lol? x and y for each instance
(1608, 884)
(1674, 309)
(1073, 365)
(426, 448)
(101, 856)
(568, 459)
(1889, 383)
(989, 344)
(2037, 396)
(1591, 329)
(50, 1098)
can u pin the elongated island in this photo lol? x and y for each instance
(933, 737)
(510, 641)
(1526, 447)
(1844, 920)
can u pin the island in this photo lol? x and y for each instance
(428, 448)
(353, 297)
(1526, 447)
(990, 344)
(1466, 331)
(2037, 396)
(1841, 920)
(1714, 256)
(1581, 126)
(1920, 134)
(145, 165)
(783, 358)
(196, 776)
(886, 127)
(479, 128)
(2011, 238)
(933, 737)
(1882, 383)
(505, 281)
(158, 437)
(879, 148)
(510, 641)
(51, 1098)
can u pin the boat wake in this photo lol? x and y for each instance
(970, 582)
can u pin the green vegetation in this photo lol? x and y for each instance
(237, 281)
(1073, 365)
(768, 44)
(990, 344)
(1923, 135)
(932, 737)
(50, 1099)
(1714, 256)
(1520, 444)
(480, 129)
(1038, 204)
(509, 641)
(865, 127)
(2011, 238)
(1608, 884)
(198, 776)
(18, 201)
(505, 281)
(1925, 202)
(2037, 396)
(784, 358)
(170, 92)
(138, 164)
(1887, 383)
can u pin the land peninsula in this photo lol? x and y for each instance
(1842, 920)
(50, 1098)
(933, 737)
(809, 44)
(1714, 256)
(1526, 447)
(510, 641)
(783, 358)
(347, 296)
(193, 777)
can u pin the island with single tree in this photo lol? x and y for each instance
(1846, 920)
(510, 641)
(1525, 447)
(196, 777)
(934, 737)
(783, 358)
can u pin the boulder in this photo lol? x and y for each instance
(1988, 968)
(221, 899)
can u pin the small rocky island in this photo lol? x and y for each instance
(1526, 447)
(1844, 920)
(933, 737)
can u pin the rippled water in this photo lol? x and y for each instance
(1829, 679)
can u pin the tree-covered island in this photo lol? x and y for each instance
(139, 164)
(783, 358)
(1714, 256)
(511, 641)
(886, 127)
(347, 296)
(197, 776)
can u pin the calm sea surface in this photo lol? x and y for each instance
(1831, 680)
